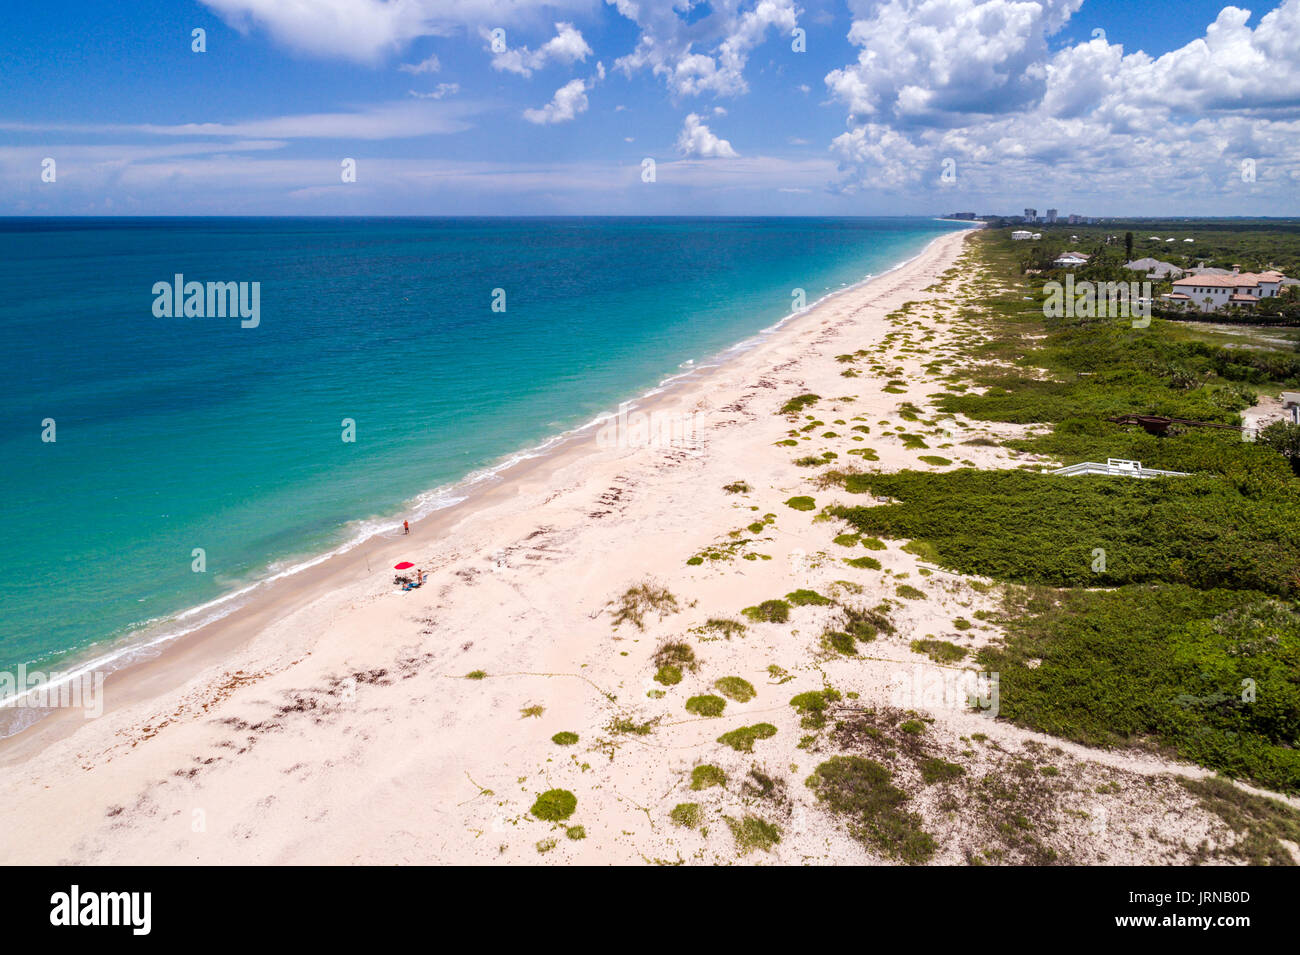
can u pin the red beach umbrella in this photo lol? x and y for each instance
(403, 565)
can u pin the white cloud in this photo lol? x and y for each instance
(400, 120)
(567, 46)
(698, 141)
(368, 30)
(427, 65)
(708, 55)
(569, 100)
(438, 92)
(923, 60)
(973, 81)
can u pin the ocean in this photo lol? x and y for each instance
(159, 462)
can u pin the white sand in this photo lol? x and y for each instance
(332, 722)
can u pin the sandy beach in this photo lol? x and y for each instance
(337, 719)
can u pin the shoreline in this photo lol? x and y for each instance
(148, 644)
(349, 722)
(336, 723)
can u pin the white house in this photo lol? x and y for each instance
(1069, 259)
(1020, 234)
(1209, 293)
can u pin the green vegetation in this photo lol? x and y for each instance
(934, 459)
(555, 805)
(1213, 674)
(702, 777)
(1262, 823)
(476, 675)
(812, 706)
(668, 675)
(735, 688)
(576, 832)
(801, 503)
(935, 770)
(1174, 623)
(753, 833)
(676, 656)
(863, 563)
(738, 487)
(799, 403)
(866, 625)
(687, 815)
(728, 628)
(564, 738)
(940, 651)
(861, 790)
(909, 592)
(620, 725)
(742, 740)
(707, 705)
(769, 611)
(1044, 529)
(804, 598)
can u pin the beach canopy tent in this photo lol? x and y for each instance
(404, 565)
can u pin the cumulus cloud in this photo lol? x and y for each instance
(698, 141)
(567, 46)
(973, 81)
(569, 100)
(924, 61)
(707, 55)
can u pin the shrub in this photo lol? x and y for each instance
(708, 705)
(769, 611)
(555, 805)
(706, 775)
(742, 740)
(687, 815)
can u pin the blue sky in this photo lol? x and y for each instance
(893, 107)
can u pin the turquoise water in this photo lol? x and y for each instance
(176, 433)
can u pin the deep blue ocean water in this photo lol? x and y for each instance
(186, 432)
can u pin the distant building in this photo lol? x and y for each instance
(1074, 219)
(1067, 259)
(1208, 292)
(1154, 268)
(1031, 215)
(1051, 215)
(1291, 405)
(962, 215)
